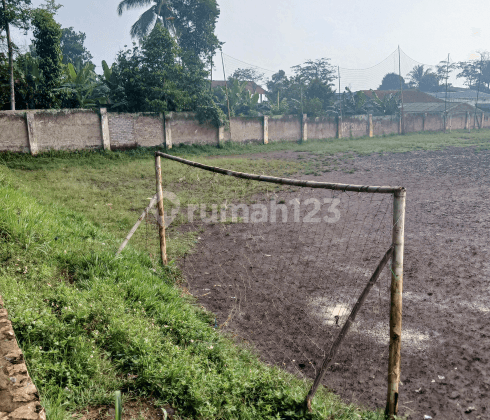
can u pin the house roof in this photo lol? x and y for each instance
(421, 107)
(409, 96)
(252, 87)
(469, 95)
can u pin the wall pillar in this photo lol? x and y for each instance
(266, 129)
(339, 127)
(168, 132)
(424, 117)
(467, 121)
(104, 128)
(221, 135)
(304, 128)
(450, 123)
(370, 125)
(31, 137)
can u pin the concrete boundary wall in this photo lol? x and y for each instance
(35, 131)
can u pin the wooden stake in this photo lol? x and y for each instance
(396, 303)
(161, 214)
(345, 328)
(138, 222)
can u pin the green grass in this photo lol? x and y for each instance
(360, 146)
(85, 320)
(113, 189)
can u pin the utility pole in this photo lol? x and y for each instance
(478, 91)
(340, 94)
(401, 90)
(226, 90)
(445, 100)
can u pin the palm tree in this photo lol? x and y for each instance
(418, 74)
(160, 11)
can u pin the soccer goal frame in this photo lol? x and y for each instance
(395, 251)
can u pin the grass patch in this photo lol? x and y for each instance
(113, 192)
(361, 145)
(90, 323)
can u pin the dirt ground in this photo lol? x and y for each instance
(266, 290)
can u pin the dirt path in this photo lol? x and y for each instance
(446, 315)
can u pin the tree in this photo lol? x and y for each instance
(47, 36)
(152, 78)
(248, 75)
(28, 80)
(278, 83)
(387, 105)
(391, 81)
(14, 13)
(355, 103)
(469, 71)
(242, 101)
(444, 70)
(308, 91)
(315, 69)
(81, 88)
(191, 23)
(424, 79)
(321, 91)
(72, 47)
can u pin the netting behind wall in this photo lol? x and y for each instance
(282, 270)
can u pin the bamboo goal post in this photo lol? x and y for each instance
(396, 254)
(396, 303)
(161, 214)
(399, 195)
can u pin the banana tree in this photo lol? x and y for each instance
(242, 102)
(82, 84)
(355, 103)
(388, 105)
(109, 79)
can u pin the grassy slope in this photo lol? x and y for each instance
(86, 320)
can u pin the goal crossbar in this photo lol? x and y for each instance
(287, 181)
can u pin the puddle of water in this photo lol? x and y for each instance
(378, 331)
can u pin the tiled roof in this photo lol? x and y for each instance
(420, 107)
(462, 95)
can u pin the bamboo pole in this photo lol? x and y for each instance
(286, 181)
(138, 222)
(161, 214)
(402, 122)
(346, 327)
(226, 90)
(396, 303)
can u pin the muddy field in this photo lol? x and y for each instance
(285, 288)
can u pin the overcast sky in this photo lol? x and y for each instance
(275, 35)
